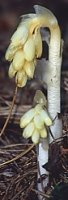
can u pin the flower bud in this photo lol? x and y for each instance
(38, 43)
(29, 68)
(40, 98)
(28, 131)
(26, 118)
(45, 117)
(21, 78)
(29, 49)
(11, 71)
(10, 53)
(35, 137)
(20, 36)
(18, 60)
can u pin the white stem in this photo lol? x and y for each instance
(53, 82)
(42, 159)
(51, 76)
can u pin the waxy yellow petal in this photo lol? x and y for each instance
(35, 137)
(22, 83)
(28, 131)
(43, 132)
(21, 78)
(11, 71)
(26, 118)
(18, 60)
(10, 52)
(38, 43)
(20, 36)
(38, 122)
(29, 68)
(45, 117)
(29, 49)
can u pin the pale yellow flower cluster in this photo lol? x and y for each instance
(35, 123)
(22, 52)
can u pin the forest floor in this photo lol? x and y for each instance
(18, 158)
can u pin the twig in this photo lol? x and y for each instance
(28, 190)
(15, 145)
(17, 157)
(41, 193)
(6, 122)
(63, 150)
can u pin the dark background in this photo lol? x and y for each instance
(10, 12)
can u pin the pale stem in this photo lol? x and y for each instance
(52, 78)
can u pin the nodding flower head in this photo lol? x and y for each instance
(25, 46)
(35, 123)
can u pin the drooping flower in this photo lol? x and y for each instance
(38, 43)
(21, 78)
(11, 71)
(27, 118)
(25, 47)
(35, 123)
(18, 60)
(20, 36)
(29, 68)
(29, 49)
